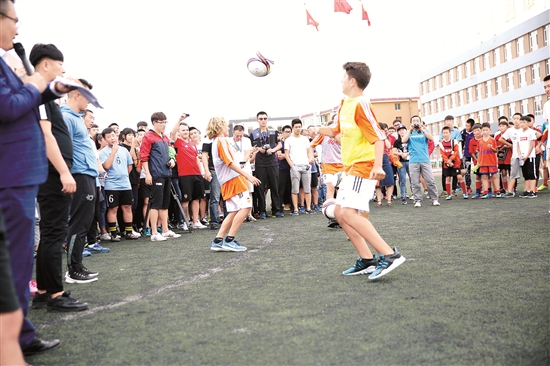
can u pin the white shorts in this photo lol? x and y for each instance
(330, 178)
(355, 192)
(238, 202)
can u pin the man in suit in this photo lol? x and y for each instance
(23, 167)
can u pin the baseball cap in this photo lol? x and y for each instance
(400, 127)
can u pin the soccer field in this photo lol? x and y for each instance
(475, 289)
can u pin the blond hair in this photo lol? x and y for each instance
(215, 127)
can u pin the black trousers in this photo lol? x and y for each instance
(93, 232)
(285, 188)
(269, 174)
(54, 208)
(82, 214)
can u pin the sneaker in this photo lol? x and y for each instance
(532, 195)
(171, 234)
(78, 277)
(485, 196)
(302, 210)
(135, 233)
(317, 208)
(132, 236)
(216, 247)
(542, 187)
(262, 216)
(498, 195)
(147, 231)
(310, 212)
(435, 203)
(86, 253)
(465, 195)
(157, 237)
(403, 201)
(294, 213)
(115, 238)
(87, 272)
(65, 303)
(509, 195)
(105, 236)
(449, 197)
(492, 195)
(204, 222)
(525, 194)
(182, 225)
(251, 218)
(387, 263)
(96, 248)
(215, 226)
(39, 301)
(453, 193)
(232, 246)
(443, 194)
(333, 224)
(362, 266)
(417, 204)
(279, 215)
(476, 196)
(197, 225)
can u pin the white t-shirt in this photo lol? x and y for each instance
(524, 139)
(297, 147)
(511, 134)
(546, 111)
(240, 147)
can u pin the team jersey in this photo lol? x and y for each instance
(486, 156)
(359, 132)
(504, 149)
(117, 175)
(187, 157)
(473, 149)
(450, 152)
(331, 154)
(524, 139)
(232, 183)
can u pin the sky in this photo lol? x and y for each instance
(190, 56)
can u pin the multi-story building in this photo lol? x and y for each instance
(388, 110)
(498, 77)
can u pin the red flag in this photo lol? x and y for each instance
(342, 6)
(311, 21)
(365, 15)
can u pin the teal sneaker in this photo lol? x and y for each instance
(216, 247)
(362, 266)
(387, 263)
(232, 246)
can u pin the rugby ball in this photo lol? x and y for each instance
(260, 66)
(328, 208)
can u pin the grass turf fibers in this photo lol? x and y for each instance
(474, 290)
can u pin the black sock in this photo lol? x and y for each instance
(229, 239)
(218, 240)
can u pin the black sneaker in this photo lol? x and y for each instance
(404, 201)
(89, 273)
(362, 266)
(73, 276)
(387, 263)
(214, 226)
(525, 194)
(532, 195)
(39, 301)
(65, 303)
(333, 224)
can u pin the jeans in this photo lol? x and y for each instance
(215, 191)
(403, 172)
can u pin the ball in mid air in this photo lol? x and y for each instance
(328, 208)
(260, 66)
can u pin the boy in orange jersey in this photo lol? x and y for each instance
(487, 161)
(362, 143)
(473, 148)
(234, 187)
(451, 162)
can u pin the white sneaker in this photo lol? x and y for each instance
(198, 225)
(435, 203)
(136, 233)
(157, 237)
(418, 204)
(105, 236)
(170, 234)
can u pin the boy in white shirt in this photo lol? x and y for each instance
(511, 135)
(299, 156)
(525, 142)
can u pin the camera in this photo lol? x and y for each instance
(266, 147)
(416, 126)
(169, 163)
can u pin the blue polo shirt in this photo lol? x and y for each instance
(84, 157)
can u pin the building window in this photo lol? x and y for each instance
(444, 79)
(522, 77)
(430, 107)
(445, 107)
(511, 109)
(488, 89)
(519, 46)
(501, 110)
(508, 52)
(538, 105)
(486, 64)
(460, 100)
(438, 105)
(436, 82)
(510, 81)
(490, 113)
(469, 95)
(481, 116)
(535, 72)
(524, 106)
(533, 41)
(478, 92)
(548, 66)
(498, 87)
(453, 100)
(397, 106)
(546, 35)
(429, 85)
(468, 71)
(496, 56)
(451, 76)
(459, 72)
(425, 109)
(477, 70)
(424, 88)
(527, 4)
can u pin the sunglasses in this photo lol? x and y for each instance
(262, 119)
